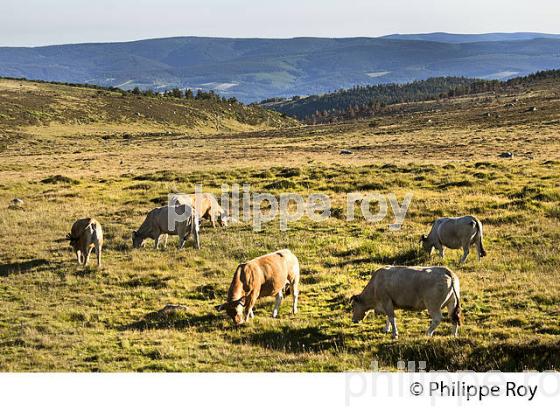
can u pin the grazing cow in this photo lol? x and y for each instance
(169, 220)
(267, 275)
(86, 234)
(455, 233)
(207, 207)
(410, 288)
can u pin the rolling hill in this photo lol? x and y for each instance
(31, 109)
(256, 69)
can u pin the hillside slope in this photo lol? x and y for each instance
(256, 69)
(46, 109)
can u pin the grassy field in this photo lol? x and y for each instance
(55, 316)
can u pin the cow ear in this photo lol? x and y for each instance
(423, 238)
(355, 298)
(221, 307)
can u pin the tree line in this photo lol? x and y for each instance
(366, 101)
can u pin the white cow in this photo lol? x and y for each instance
(455, 233)
(179, 220)
(410, 288)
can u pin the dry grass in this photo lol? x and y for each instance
(55, 316)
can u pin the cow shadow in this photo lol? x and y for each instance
(412, 256)
(409, 257)
(295, 340)
(17, 268)
(177, 320)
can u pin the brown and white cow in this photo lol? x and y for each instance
(455, 233)
(267, 275)
(207, 206)
(410, 288)
(86, 234)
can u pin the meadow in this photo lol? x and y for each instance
(56, 316)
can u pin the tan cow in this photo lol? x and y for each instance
(410, 288)
(455, 233)
(178, 220)
(267, 275)
(207, 207)
(86, 234)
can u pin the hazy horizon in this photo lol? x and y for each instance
(277, 38)
(31, 23)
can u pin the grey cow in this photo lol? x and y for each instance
(455, 233)
(410, 288)
(179, 220)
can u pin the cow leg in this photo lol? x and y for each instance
(79, 257)
(279, 298)
(393, 322)
(295, 293)
(455, 329)
(441, 251)
(182, 240)
(387, 326)
(390, 312)
(98, 253)
(436, 320)
(156, 243)
(465, 254)
(163, 240)
(250, 300)
(87, 253)
(195, 230)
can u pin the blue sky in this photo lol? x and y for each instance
(40, 22)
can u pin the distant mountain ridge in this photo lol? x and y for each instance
(471, 38)
(256, 69)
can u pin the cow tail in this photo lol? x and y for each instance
(456, 316)
(479, 235)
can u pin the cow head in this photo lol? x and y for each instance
(234, 309)
(137, 240)
(359, 308)
(223, 219)
(426, 244)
